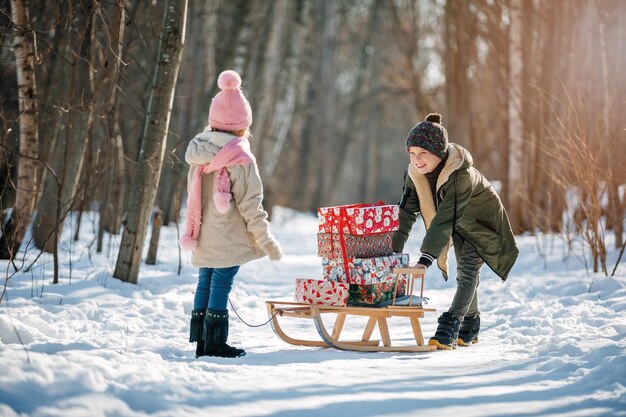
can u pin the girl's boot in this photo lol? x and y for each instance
(468, 334)
(447, 332)
(195, 330)
(215, 335)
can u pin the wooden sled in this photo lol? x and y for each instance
(377, 316)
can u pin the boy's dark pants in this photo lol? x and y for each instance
(465, 302)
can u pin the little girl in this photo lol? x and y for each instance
(458, 206)
(226, 224)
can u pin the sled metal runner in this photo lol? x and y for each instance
(376, 317)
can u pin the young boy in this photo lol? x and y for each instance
(459, 206)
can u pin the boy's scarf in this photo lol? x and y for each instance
(235, 152)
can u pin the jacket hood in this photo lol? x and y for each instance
(205, 145)
(458, 158)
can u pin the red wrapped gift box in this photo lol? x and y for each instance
(357, 246)
(315, 291)
(359, 219)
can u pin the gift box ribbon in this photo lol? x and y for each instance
(343, 217)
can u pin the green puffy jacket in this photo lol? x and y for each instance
(467, 205)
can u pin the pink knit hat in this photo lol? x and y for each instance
(229, 109)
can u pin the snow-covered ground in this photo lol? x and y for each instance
(553, 342)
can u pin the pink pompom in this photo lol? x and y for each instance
(222, 201)
(229, 80)
(188, 243)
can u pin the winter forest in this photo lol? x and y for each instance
(99, 100)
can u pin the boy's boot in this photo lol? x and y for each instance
(215, 335)
(447, 332)
(195, 330)
(468, 334)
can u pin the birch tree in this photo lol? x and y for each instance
(286, 106)
(156, 124)
(197, 70)
(275, 45)
(112, 200)
(27, 170)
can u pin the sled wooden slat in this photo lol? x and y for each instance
(341, 319)
(412, 274)
(297, 315)
(417, 330)
(279, 331)
(377, 317)
(369, 328)
(384, 331)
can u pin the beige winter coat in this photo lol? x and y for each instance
(233, 238)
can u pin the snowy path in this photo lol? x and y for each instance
(550, 344)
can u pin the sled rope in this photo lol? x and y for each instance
(247, 324)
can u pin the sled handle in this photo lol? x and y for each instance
(413, 274)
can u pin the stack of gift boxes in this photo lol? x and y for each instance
(354, 243)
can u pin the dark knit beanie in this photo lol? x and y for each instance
(429, 135)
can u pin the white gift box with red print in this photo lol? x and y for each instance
(316, 291)
(363, 271)
(359, 219)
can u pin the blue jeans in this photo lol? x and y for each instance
(214, 285)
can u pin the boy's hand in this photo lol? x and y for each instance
(420, 266)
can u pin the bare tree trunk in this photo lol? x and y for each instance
(153, 144)
(252, 43)
(411, 69)
(221, 58)
(325, 128)
(270, 79)
(621, 135)
(457, 61)
(516, 186)
(355, 101)
(249, 43)
(209, 33)
(111, 205)
(197, 69)
(157, 222)
(371, 158)
(27, 172)
(535, 216)
(540, 72)
(171, 211)
(305, 176)
(77, 137)
(615, 220)
(283, 116)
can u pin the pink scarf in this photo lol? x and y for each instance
(235, 152)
